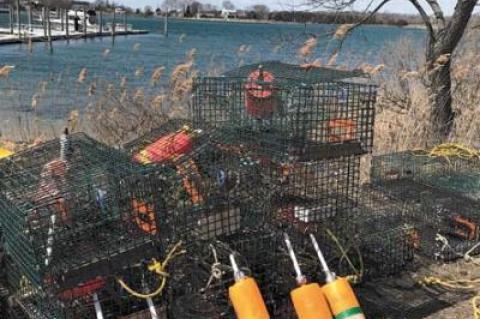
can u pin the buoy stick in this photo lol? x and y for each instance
(329, 275)
(301, 280)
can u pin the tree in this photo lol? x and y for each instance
(228, 5)
(147, 11)
(261, 11)
(443, 37)
(196, 7)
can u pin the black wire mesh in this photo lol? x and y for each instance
(218, 189)
(100, 297)
(77, 210)
(446, 217)
(285, 110)
(317, 192)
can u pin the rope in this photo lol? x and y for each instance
(358, 273)
(158, 268)
(448, 150)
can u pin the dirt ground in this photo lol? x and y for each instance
(460, 270)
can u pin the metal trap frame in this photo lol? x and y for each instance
(75, 209)
(288, 110)
(217, 190)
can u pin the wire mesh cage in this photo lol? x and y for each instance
(454, 173)
(287, 110)
(100, 297)
(218, 188)
(324, 192)
(446, 217)
(74, 209)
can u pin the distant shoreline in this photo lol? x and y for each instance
(253, 21)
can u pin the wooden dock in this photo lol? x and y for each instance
(37, 35)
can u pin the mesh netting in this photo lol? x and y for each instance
(454, 173)
(276, 109)
(446, 216)
(75, 209)
(218, 189)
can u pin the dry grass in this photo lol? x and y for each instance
(404, 114)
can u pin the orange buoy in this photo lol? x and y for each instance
(338, 292)
(245, 296)
(260, 100)
(308, 299)
(310, 303)
(342, 130)
(144, 216)
(166, 148)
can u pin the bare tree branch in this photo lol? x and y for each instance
(453, 31)
(438, 12)
(425, 18)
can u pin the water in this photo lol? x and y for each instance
(217, 49)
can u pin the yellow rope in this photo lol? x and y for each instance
(158, 268)
(450, 284)
(448, 150)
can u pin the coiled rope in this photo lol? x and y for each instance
(158, 268)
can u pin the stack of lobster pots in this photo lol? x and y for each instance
(79, 220)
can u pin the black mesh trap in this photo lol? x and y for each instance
(218, 188)
(286, 110)
(74, 209)
(316, 192)
(99, 297)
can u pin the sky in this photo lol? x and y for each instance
(397, 6)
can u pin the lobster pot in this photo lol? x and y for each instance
(323, 191)
(77, 210)
(100, 295)
(218, 188)
(455, 173)
(447, 220)
(282, 108)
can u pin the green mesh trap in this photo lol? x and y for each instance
(446, 214)
(290, 111)
(74, 209)
(218, 188)
(453, 173)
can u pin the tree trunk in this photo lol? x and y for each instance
(441, 101)
(439, 52)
